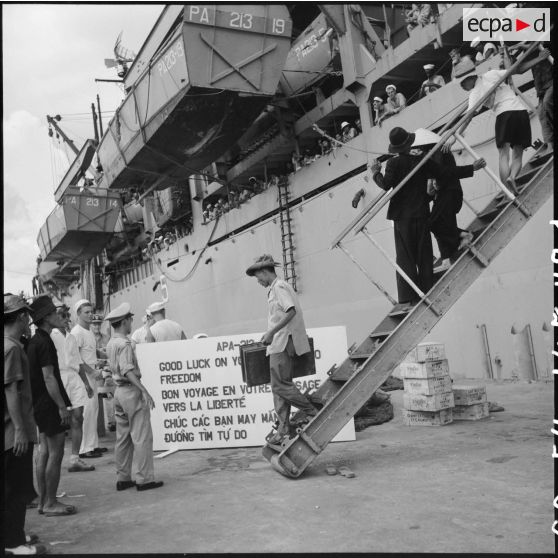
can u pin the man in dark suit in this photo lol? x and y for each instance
(409, 210)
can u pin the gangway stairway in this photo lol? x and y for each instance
(351, 384)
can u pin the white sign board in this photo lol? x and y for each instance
(201, 401)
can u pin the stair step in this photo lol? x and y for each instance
(489, 211)
(400, 310)
(375, 334)
(526, 177)
(362, 356)
(538, 160)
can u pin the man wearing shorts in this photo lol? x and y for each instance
(513, 127)
(50, 405)
(75, 383)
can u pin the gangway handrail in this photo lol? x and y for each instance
(380, 196)
(361, 221)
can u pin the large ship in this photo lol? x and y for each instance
(249, 129)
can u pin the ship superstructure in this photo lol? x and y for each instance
(216, 161)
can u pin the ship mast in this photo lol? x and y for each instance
(53, 121)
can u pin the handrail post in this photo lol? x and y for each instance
(486, 169)
(459, 126)
(368, 276)
(393, 263)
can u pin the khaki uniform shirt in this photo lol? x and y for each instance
(280, 298)
(122, 359)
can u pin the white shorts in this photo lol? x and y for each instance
(75, 388)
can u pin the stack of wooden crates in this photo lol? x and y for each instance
(470, 402)
(429, 397)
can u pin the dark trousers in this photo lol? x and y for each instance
(413, 254)
(285, 393)
(443, 221)
(18, 492)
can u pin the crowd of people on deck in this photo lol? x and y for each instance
(53, 374)
(238, 196)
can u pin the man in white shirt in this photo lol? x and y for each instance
(75, 383)
(513, 127)
(433, 81)
(140, 334)
(87, 346)
(286, 338)
(162, 328)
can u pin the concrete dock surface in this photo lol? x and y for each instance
(471, 486)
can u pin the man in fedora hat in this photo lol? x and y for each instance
(51, 405)
(87, 346)
(162, 329)
(433, 81)
(20, 430)
(75, 383)
(409, 210)
(132, 405)
(286, 338)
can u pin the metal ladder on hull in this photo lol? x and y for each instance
(367, 368)
(289, 271)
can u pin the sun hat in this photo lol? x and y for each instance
(400, 140)
(261, 262)
(41, 307)
(425, 137)
(13, 303)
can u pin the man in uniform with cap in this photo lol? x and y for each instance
(87, 346)
(20, 431)
(460, 64)
(433, 81)
(132, 405)
(286, 338)
(348, 132)
(162, 329)
(51, 405)
(409, 210)
(75, 383)
(396, 102)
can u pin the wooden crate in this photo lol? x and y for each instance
(428, 402)
(425, 418)
(424, 370)
(424, 352)
(469, 394)
(471, 412)
(427, 386)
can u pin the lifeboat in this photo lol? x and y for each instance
(80, 226)
(209, 79)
